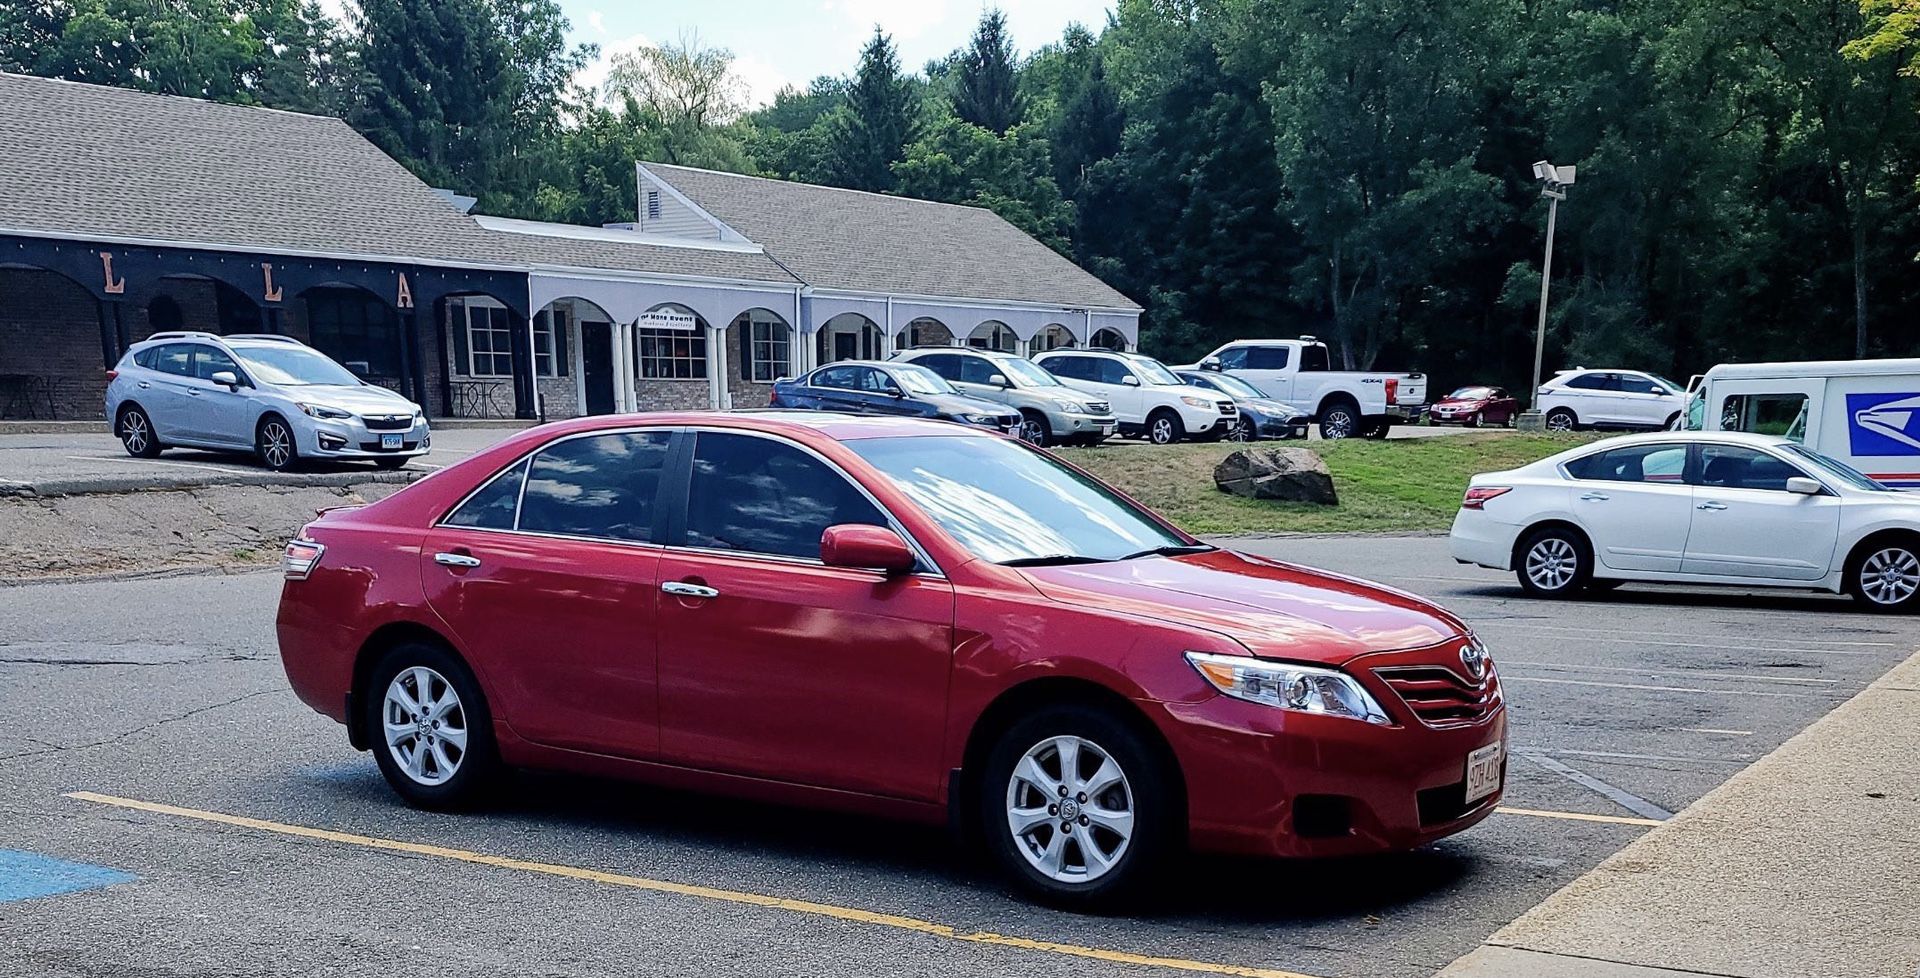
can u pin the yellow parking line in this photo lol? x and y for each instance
(684, 889)
(1579, 816)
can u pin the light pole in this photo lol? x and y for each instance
(1553, 183)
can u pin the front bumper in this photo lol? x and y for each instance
(1268, 782)
(351, 438)
(1067, 424)
(1275, 426)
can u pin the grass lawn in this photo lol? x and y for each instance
(1384, 486)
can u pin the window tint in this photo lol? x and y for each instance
(208, 361)
(756, 495)
(494, 506)
(1072, 368)
(842, 377)
(1635, 384)
(1589, 382)
(1313, 358)
(1111, 372)
(597, 486)
(1233, 358)
(945, 364)
(1736, 467)
(147, 357)
(1635, 463)
(976, 370)
(175, 358)
(1267, 358)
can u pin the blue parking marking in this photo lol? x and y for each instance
(26, 875)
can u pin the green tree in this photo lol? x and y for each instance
(689, 95)
(438, 93)
(871, 133)
(986, 91)
(962, 163)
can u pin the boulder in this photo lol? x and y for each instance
(1293, 474)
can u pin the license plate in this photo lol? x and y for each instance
(1483, 772)
(1106, 429)
(389, 441)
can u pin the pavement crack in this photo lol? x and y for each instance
(143, 728)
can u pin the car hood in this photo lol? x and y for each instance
(1276, 609)
(1270, 408)
(363, 399)
(963, 404)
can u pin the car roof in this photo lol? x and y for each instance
(1702, 437)
(784, 421)
(1814, 369)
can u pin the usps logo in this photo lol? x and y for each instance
(1884, 424)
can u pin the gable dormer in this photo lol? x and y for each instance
(666, 211)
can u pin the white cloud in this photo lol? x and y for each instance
(598, 21)
(763, 80)
(905, 21)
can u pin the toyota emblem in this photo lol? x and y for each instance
(1474, 658)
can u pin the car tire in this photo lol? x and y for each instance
(1084, 860)
(1555, 562)
(391, 463)
(274, 444)
(1034, 429)
(1561, 419)
(1884, 575)
(1473, 421)
(1376, 430)
(1673, 422)
(1164, 427)
(440, 753)
(136, 433)
(1339, 421)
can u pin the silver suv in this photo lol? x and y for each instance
(270, 395)
(1051, 412)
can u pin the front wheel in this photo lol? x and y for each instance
(1339, 421)
(1034, 429)
(273, 443)
(1165, 428)
(1554, 563)
(1887, 577)
(1077, 807)
(428, 723)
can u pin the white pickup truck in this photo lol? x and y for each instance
(1346, 403)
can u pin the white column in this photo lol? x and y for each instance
(622, 365)
(1023, 346)
(797, 355)
(577, 358)
(886, 334)
(717, 368)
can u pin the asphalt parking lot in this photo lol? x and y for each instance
(276, 849)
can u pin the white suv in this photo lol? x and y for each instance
(1147, 398)
(1582, 398)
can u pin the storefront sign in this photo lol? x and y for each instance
(668, 319)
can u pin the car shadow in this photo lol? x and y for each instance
(1655, 595)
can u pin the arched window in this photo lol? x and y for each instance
(764, 350)
(1106, 338)
(1054, 337)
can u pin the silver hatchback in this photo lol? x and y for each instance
(1052, 413)
(272, 396)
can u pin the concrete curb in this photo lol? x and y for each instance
(121, 484)
(1805, 863)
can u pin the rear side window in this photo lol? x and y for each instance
(1589, 382)
(596, 486)
(147, 357)
(495, 505)
(1267, 358)
(1313, 358)
(1635, 463)
(174, 358)
(945, 364)
(756, 495)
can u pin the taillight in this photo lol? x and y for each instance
(774, 399)
(112, 375)
(1393, 390)
(302, 557)
(1477, 496)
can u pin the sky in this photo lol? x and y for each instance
(779, 43)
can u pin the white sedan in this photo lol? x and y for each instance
(1694, 508)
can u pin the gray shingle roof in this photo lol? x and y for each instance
(846, 239)
(94, 161)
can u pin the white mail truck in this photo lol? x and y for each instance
(1865, 413)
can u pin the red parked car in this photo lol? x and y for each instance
(897, 616)
(1475, 406)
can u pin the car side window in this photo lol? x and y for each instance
(976, 370)
(1635, 463)
(842, 377)
(946, 365)
(1739, 467)
(1233, 358)
(1072, 368)
(1313, 358)
(208, 361)
(1589, 382)
(1267, 358)
(757, 495)
(147, 357)
(1634, 384)
(872, 381)
(495, 505)
(596, 486)
(1112, 372)
(175, 358)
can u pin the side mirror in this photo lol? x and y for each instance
(867, 548)
(1210, 363)
(1130, 380)
(1804, 486)
(227, 379)
(998, 380)
(896, 392)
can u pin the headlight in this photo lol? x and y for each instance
(978, 418)
(1076, 407)
(1303, 689)
(322, 411)
(1199, 402)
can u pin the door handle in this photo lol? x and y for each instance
(1595, 497)
(1712, 504)
(193, 393)
(456, 560)
(685, 590)
(144, 385)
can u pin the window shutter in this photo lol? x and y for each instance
(562, 324)
(744, 326)
(457, 316)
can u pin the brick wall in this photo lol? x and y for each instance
(50, 359)
(672, 395)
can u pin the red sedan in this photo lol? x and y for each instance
(894, 616)
(1475, 406)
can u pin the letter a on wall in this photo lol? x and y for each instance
(403, 298)
(273, 292)
(111, 285)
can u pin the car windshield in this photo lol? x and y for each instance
(1154, 372)
(1008, 503)
(1835, 468)
(294, 366)
(920, 380)
(1471, 394)
(1668, 384)
(1234, 386)
(1026, 373)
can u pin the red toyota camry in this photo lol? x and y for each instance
(902, 617)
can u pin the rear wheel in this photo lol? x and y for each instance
(1375, 430)
(1164, 427)
(1554, 563)
(136, 433)
(1339, 421)
(1561, 419)
(274, 445)
(1077, 806)
(1885, 576)
(429, 726)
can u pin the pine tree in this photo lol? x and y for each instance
(988, 93)
(438, 90)
(1090, 128)
(870, 134)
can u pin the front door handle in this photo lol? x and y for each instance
(144, 385)
(1595, 497)
(456, 560)
(1713, 504)
(685, 590)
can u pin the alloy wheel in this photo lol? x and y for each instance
(134, 433)
(425, 725)
(1551, 563)
(1070, 809)
(1890, 576)
(276, 444)
(1559, 422)
(1242, 431)
(1162, 431)
(1032, 432)
(1339, 424)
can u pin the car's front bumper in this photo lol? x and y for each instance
(1069, 424)
(1276, 426)
(351, 438)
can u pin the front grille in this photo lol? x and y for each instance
(386, 422)
(1441, 697)
(1229, 408)
(1448, 803)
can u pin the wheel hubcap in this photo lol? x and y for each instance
(1030, 431)
(1560, 422)
(1070, 809)
(1163, 431)
(1340, 425)
(1551, 563)
(1890, 576)
(133, 432)
(425, 725)
(278, 443)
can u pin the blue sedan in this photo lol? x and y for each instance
(904, 389)
(1260, 415)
